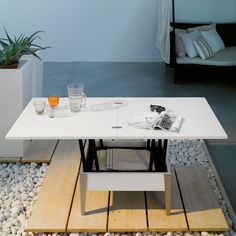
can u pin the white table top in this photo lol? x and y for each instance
(97, 123)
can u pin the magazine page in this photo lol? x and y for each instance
(158, 118)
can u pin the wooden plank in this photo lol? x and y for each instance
(51, 210)
(157, 218)
(127, 212)
(201, 206)
(95, 218)
(9, 159)
(39, 151)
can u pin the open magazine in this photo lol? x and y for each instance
(158, 118)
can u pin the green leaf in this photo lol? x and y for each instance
(8, 37)
(14, 48)
(3, 44)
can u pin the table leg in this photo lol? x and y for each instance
(83, 190)
(167, 180)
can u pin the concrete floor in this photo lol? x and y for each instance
(153, 80)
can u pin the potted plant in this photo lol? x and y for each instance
(18, 85)
(12, 49)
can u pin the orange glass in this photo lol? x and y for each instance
(53, 101)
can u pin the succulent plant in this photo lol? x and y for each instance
(12, 49)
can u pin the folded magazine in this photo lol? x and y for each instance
(158, 118)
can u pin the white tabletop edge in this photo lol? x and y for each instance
(164, 135)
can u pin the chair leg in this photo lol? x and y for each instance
(83, 190)
(176, 73)
(167, 180)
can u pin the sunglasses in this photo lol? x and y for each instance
(157, 108)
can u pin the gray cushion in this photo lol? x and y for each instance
(226, 57)
(188, 42)
(214, 40)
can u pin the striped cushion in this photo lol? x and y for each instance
(203, 48)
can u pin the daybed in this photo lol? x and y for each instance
(222, 63)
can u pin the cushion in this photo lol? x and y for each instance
(188, 42)
(226, 57)
(202, 27)
(214, 40)
(179, 46)
(203, 49)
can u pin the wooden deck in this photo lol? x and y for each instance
(57, 209)
(38, 151)
(52, 208)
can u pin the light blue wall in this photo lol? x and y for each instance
(87, 30)
(102, 30)
(205, 10)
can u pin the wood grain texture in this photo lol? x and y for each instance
(127, 212)
(9, 159)
(39, 151)
(95, 218)
(83, 191)
(157, 218)
(167, 180)
(201, 206)
(51, 210)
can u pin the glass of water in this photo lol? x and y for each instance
(77, 97)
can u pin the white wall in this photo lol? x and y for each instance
(102, 30)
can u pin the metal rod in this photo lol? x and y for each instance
(152, 153)
(94, 154)
(173, 11)
(101, 143)
(81, 146)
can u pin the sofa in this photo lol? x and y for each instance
(221, 64)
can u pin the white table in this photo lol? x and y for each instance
(199, 123)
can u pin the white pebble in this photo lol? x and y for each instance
(107, 234)
(2, 218)
(15, 211)
(196, 234)
(204, 233)
(31, 194)
(21, 218)
(16, 203)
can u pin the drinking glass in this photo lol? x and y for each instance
(39, 107)
(77, 97)
(53, 102)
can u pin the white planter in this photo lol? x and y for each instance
(15, 93)
(37, 74)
